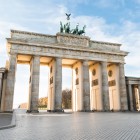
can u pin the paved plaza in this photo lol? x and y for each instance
(74, 126)
(5, 119)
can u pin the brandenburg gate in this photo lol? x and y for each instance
(98, 79)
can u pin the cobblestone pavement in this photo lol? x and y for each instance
(75, 126)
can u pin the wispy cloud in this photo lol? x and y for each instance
(97, 29)
(110, 3)
(44, 17)
(137, 1)
(128, 33)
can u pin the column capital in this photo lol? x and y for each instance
(12, 57)
(123, 63)
(129, 84)
(35, 56)
(13, 54)
(102, 62)
(85, 62)
(58, 58)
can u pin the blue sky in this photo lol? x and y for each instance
(106, 20)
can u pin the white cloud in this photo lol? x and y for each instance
(104, 3)
(127, 33)
(5, 28)
(97, 28)
(137, 1)
(130, 35)
(110, 3)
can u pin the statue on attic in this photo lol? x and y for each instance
(66, 27)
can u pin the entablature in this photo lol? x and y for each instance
(61, 46)
(65, 46)
(61, 39)
(132, 80)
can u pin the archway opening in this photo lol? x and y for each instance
(21, 91)
(67, 88)
(43, 88)
(21, 86)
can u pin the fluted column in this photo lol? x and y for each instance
(86, 87)
(3, 91)
(34, 84)
(1, 84)
(123, 94)
(1, 78)
(139, 91)
(58, 85)
(9, 92)
(130, 97)
(105, 88)
(134, 97)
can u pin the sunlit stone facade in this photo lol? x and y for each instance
(98, 79)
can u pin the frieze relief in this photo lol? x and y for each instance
(105, 46)
(31, 37)
(62, 39)
(72, 40)
(65, 53)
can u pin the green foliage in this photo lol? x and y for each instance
(66, 99)
(42, 103)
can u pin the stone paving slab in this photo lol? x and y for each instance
(7, 120)
(75, 126)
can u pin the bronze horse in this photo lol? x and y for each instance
(82, 31)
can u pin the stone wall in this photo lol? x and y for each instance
(133, 93)
(3, 76)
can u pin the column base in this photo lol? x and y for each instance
(6, 111)
(32, 111)
(84, 110)
(97, 110)
(124, 110)
(56, 110)
(107, 110)
(94, 110)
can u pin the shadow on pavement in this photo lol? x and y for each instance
(7, 120)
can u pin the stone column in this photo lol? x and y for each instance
(58, 85)
(130, 97)
(9, 92)
(139, 92)
(134, 97)
(105, 88)
(3, 91)
(123, 95)
(86, 87)
(34, 84)
(1, 79)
